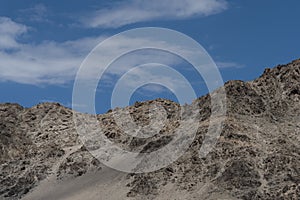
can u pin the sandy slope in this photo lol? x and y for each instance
(106, 184)
(257, 155)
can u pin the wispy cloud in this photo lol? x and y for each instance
(51, 62)
(37, 13)
(225, 65)
(48, 62)
(147, 89)
(9, 32)
(133, 11)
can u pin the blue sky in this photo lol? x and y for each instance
(42, 43)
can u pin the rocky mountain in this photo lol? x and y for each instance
(257, 155)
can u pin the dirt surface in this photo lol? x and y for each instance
(256, 157)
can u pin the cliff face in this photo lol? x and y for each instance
(256, 157)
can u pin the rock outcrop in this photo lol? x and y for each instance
(257, 155)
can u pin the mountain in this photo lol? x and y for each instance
(257, 155)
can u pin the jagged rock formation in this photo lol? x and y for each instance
(256, 157)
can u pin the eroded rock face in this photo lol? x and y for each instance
(256, 157)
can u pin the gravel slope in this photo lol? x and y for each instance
(256, 157)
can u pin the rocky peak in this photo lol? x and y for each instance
(256, 157)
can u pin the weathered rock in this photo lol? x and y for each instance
(256, 157)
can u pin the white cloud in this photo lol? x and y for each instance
(225, 65)
(51, 62)
(9, 31)
(147, 89)
(48, 62)
(134, 11)
(45, 63)
(37, 13)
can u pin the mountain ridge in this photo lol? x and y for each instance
(264, 73)
(256, 157)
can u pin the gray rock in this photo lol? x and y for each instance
(256, 157)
